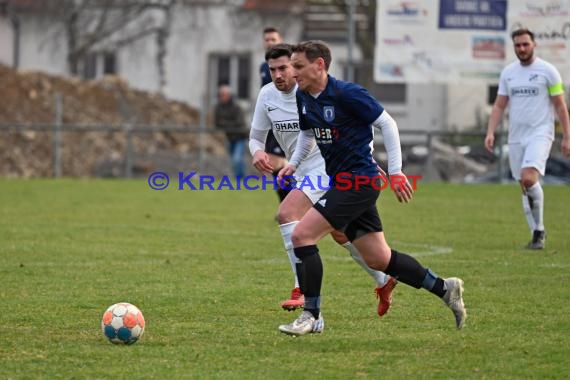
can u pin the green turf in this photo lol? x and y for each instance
(208, 271)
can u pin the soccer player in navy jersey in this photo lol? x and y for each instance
(272, 37)
(339, 116)
(276, 110)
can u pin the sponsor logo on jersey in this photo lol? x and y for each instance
(322, 202)
(524, 91)
(323, 135)
(286, 126)
(269, 109)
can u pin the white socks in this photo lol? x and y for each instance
(286, 232)
(380, 277)
(536, 205)
(528, 213)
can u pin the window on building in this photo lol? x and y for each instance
(233, 70)
(492, 93)
(97, 64)
(390, 92)
(90, 66)
(109, 63)
(395, 93)
(244, 68)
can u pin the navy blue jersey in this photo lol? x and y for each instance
(341, 118)
(264, 73)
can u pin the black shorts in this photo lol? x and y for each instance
(352, 211)
(272, 146)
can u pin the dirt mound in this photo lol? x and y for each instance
(29, 106)
(29, 98)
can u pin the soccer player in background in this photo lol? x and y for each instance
(276, 109)
(339, 116)
(535, 92)
(271, 37)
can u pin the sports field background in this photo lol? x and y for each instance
(208, 271)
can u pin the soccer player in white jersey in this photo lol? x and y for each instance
(534, 90)
(276, 109)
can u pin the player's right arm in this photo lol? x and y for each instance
(260, 126)
(496, 114)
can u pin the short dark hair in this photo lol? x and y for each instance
(279, 50)
(315, 49)
(521, 32)
(270, 29)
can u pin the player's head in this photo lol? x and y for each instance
(523, 40)
(271, 37)
(278, 59)
(311, 61)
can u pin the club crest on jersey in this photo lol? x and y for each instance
(328, 113)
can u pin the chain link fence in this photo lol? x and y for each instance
(127, 151)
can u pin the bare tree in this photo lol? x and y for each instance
(110, 24)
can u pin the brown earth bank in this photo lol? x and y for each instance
(99, 112)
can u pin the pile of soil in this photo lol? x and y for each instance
(94, 118)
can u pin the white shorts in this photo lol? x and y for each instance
(314, 185)
(312, 178)
(532, 153)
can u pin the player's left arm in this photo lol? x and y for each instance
(562, 113)
(556, 92)
(399, 182)
(305, 144)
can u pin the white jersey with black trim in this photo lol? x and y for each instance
(531, 113)
(277, 110)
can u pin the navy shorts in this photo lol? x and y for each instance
(272, 146)
(352, 211)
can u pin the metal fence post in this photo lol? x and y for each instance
(57, 135)
(429, 160)
(129, 151)
(201, 135)
(500, 141)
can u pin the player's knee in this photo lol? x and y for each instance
(529, 176)
(339, 237)
(284, 216)
(301, 237)
(528, 179)
(288, 214)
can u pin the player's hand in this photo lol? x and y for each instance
(261, 162)
(381, 171)
(284, 173)
(489, 142)
(401, 187)
(565, 146)
(383, 175)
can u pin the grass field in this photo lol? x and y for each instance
(208, 270)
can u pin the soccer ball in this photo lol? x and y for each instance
(122, 323)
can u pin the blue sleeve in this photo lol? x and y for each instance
(264, 74)
(302, 115)
(361, 104)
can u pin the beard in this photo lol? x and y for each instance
(526, 59)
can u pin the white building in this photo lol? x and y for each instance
(207, 43)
